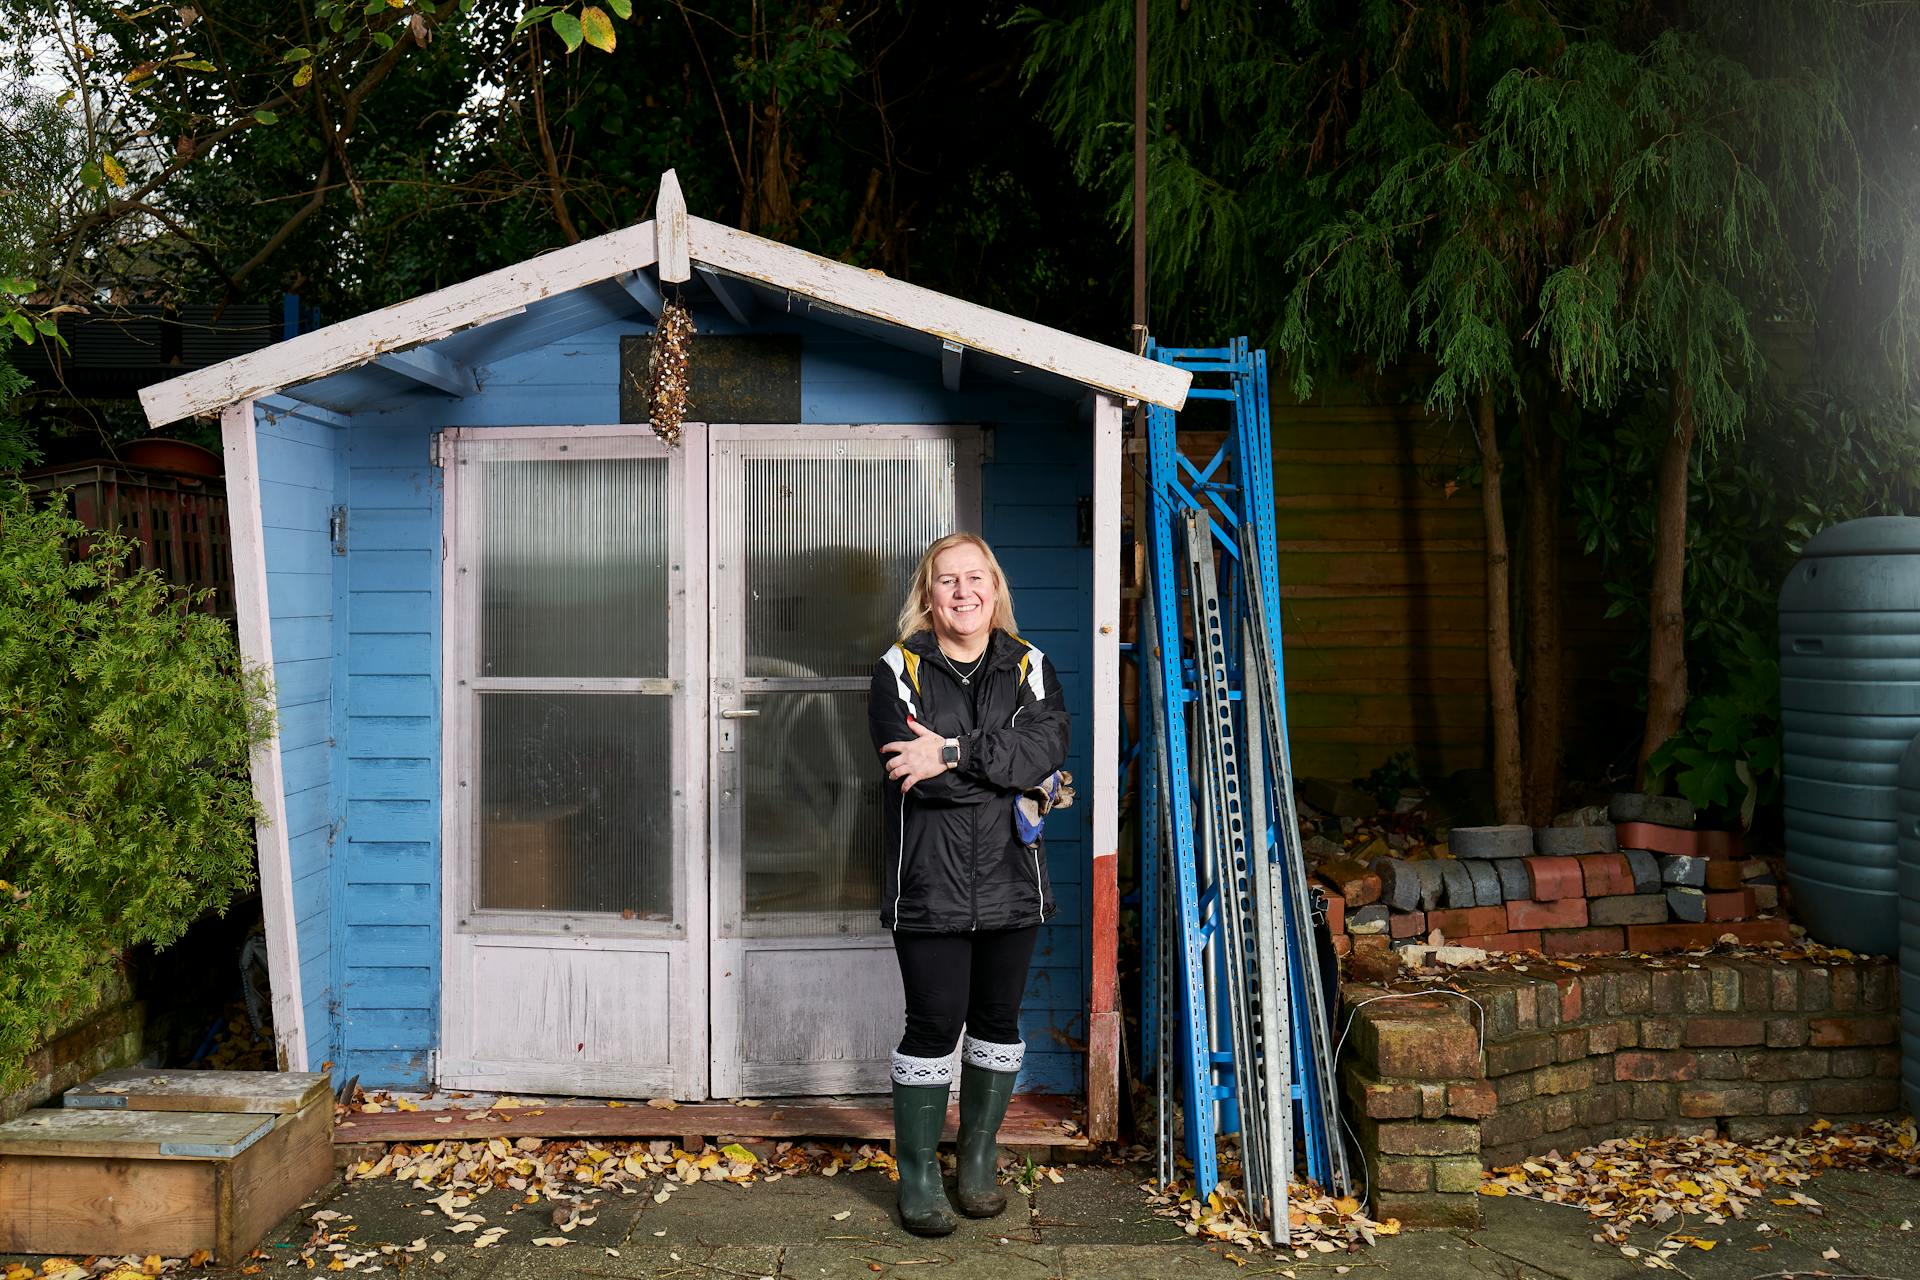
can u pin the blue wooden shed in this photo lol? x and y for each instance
(571, 791)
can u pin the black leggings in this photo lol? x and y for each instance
(954, 978)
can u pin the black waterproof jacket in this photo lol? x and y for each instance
(952, 861)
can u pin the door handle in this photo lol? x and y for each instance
(734, 713)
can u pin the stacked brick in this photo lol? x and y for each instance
(1645, 882)
(1746, 1046)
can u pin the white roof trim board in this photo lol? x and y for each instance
(511, 290)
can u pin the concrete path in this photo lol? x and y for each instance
(1094, 1225)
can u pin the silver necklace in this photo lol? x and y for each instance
(968, 677)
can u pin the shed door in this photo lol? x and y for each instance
(815, 534)
(575, 909)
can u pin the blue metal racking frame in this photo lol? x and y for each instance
(1234, 490)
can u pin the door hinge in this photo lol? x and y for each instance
(337, 529)
(435, 453)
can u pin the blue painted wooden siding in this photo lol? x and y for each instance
(390, 899)
(389, 959)
(300, 469)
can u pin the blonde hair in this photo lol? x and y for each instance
(916, 614)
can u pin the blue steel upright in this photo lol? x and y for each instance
(1233, 488)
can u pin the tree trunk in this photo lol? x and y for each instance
(1667, 641)
(1507, 801)
(1545, 737)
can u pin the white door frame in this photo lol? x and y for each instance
(463, 1034)
(728, 955)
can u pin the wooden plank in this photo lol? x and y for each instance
(670, 231)
(1377, 664)
(1418, 569)
(1037, 1119)
(1385, 495)
(141, 1089)
(1103, 368)
(1379, 711)
(1412, 687)
(247, 538)
(1353, 760)
(430, 369)
(1308, 615)
(1103, 1040)
(271, 1179)
(63, 1204)
(412, 323)
(140, 1135)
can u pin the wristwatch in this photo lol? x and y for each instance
(950, 753)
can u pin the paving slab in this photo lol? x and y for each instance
(1014, 1260)
(1100, 1204)
(644, 1262)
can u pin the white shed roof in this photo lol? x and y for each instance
(596, 280)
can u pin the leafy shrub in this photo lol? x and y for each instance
(1726, 757)
(125, 730)
(1387, 783)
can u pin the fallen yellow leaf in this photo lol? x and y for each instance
(663, 1104)
(1492, 1189)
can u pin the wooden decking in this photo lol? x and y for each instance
(1032, 1119)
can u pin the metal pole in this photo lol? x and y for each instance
(1140, 180)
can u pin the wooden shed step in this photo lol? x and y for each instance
(138, 1135)
(142, 1089)
(1032, 1119)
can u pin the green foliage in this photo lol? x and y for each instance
(17, 447)
(125, 807)
(1615, 191)
(1388, 782)
(1726, 758)
(1817, 458)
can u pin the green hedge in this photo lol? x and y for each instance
(125, 728)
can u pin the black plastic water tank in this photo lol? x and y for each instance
(1909, 878)
(1849, 705)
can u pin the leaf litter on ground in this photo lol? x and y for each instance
(1627, 1182)
(1317, 1223)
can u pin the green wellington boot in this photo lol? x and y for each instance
(919, 1114)
(987, 1073)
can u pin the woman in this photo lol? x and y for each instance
(966, 716)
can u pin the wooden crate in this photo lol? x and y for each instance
(165, 1162)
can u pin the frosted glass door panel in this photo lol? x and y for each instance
(830, 544)
(574, 566)
(576, 813)
(810, 824)
(815, 542)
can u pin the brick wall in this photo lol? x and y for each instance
(1749, 1046)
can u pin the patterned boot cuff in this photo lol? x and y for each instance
(991, 1056)
(922, 1071)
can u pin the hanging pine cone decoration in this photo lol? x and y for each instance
(667, 370)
